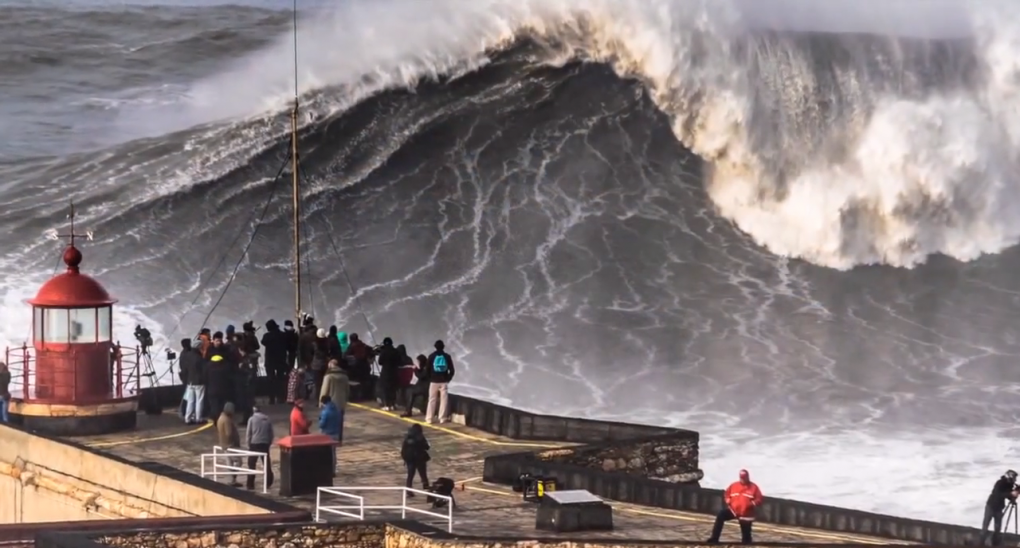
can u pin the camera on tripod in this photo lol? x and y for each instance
(144, 338)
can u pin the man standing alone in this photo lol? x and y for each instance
(260, 437)
(740, 499)
(229, 437)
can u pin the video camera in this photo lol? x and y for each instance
(144, 338)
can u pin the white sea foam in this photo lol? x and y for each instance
(16, 326)
(936, 175)
(15, 291)
(941, 476)
(920, 176)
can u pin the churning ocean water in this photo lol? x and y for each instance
(786, 224)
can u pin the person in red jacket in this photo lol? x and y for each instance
(741, 498)
(298, 422)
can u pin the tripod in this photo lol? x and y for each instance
(1011, 512)
(147, 369)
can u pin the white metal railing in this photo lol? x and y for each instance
(220, 469)
(358, 512)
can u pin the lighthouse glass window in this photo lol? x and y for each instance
(104, 325)
(82, 325)
(55, 328)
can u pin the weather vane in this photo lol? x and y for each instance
(71, 234)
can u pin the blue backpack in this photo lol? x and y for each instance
(440, 365)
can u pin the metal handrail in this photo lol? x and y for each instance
(338, 510)
(229, 470)
(21, 362)
(361, 507)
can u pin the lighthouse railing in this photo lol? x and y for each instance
(126, 371)
(22, 364)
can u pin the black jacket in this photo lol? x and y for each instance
(220, 375)
(416, 447)
(249, 342)
(389, 361)
(192, 367)
(290, 340)
(1001, 492)
(359, 361)
(440, 377)
(335, 351)
(275, 343)
(320, 355)
(231, 353)
(306, 347)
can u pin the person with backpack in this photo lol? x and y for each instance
(415, 454)
(440, 373)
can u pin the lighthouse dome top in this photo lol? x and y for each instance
(72, 289)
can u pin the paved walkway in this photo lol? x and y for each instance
(371, 457)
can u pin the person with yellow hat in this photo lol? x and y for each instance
(220, 373)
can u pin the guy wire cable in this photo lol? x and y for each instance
(347, 277)
(273, 186)
(254, 233)
(223, 258)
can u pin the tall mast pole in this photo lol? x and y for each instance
(295, 174)
(297, 213)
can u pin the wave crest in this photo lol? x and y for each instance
(828, 140)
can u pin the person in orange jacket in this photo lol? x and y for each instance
(298, 422)
(741, 498)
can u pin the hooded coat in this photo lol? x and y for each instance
(226, 430)
(344, 343)
(337, 386)
(415, 449)
(389, 361)
(275, 343)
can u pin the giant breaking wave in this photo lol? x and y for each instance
(490, 180)
(836, 132)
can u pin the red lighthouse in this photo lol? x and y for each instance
(72, 379)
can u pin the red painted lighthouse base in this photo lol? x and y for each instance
(75, 420)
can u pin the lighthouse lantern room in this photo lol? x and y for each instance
(74, 379)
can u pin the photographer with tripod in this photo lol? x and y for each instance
(1004, 491)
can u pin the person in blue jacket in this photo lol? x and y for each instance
(329, 422)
